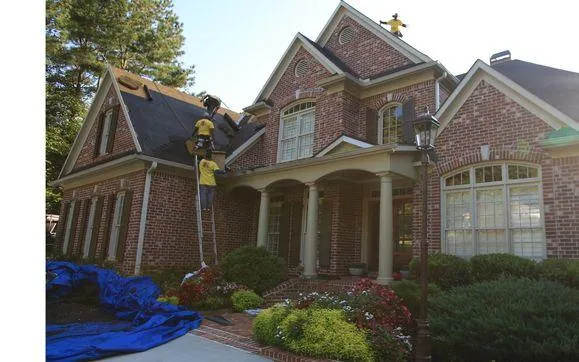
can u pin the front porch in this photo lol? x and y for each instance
(323, 214)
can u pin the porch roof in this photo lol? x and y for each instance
(394, 159)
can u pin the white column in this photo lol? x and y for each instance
(263, 218)
(312, 232)
(386, 243)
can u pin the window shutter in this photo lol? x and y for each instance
(408, 116)
(325, 233)
(73, 229)
(371, 126)
(62, 226)
(83, 225)
(284, 231)
(96, 227)
(99, 134)
(296, 233)
(109, 212)
(113, 128)
(124, 226)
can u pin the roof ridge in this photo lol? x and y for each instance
(538, 65)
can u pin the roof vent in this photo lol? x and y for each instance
(500, 57)
(301, 68)
(129, 83)
(346, 35)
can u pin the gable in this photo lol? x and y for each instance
(343, 10)
(343, 144)
(366, 55)
(481, 72)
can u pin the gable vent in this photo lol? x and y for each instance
(301, 68)
(346, 35)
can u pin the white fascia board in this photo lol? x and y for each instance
(286, 58)
(244, 147)
(398, 44)
(343, 139)
(91, 115)
(480, 71)
(95, 169)
(125, 110)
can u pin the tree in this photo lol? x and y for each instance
(143, 37)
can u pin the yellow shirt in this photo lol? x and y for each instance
(394, 25)
(204, 127)
(206, 169)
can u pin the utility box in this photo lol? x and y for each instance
(219, 158)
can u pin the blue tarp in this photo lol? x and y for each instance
(144, 322)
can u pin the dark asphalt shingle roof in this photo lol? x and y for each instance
(559, 88)
(330, 56)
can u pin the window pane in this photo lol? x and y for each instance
(288, 149)
(272, 244)
(522, 172)
(459, 242)
(490, 208)
(524, 206)
(306, 146)
(492, 241)
(528, 243)
(458, 210)
(105, 132)
(391, 124)
(307, 123)
(290, 127)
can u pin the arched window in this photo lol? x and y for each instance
(390, 124)
(296, 136)
(493, 208)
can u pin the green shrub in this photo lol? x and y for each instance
(255, 268)
(212, 302)
(506, 320)
(265, 325)
(445, 270)
(409, 291)
(169, 299)
(167, 279)
(564, 271)
(489, 267)
(324, 333)
(245, 299)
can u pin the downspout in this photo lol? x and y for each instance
(142, 223)
(437, 91)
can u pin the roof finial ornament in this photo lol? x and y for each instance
(395, 25)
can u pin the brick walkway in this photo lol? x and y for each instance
(239, 335)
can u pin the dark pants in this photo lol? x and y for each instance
(206, 195)
(205, 142)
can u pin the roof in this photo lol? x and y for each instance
(559, 88)
(329, 56)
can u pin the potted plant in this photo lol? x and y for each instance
(357, 269)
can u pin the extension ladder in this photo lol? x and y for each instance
(205, 221)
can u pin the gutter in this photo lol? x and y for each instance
(437, 90)
(143, 222)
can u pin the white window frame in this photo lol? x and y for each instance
(505, 185)
(116, 226)
(68, 226)
(89, 228)
(381, 121)
(300, 116)
(105, 135)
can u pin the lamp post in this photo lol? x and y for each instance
(425, 129)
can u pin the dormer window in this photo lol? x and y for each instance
(106, 131)
(390, 124)
(296, 137)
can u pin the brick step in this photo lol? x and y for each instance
(229, 338)
(291, 289)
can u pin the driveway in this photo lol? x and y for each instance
(189, 348)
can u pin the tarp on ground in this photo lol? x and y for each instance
(144, 322)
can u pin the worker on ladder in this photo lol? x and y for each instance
(207, 171)
(204, 131)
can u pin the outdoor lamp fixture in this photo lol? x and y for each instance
(425, 129)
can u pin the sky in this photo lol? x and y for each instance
(236, 44)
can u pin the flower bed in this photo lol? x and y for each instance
(366, 323)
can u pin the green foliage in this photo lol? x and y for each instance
(168, 280)
(564, 271)
(506, 320)
(493, 266)
(245, 299)
(144, 37)
(387, 347)
(409, 292)
(255, 268)
(324, 333)
(169, 299)
(265, 325)
(445, 270)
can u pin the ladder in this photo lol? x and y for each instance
(205, 220)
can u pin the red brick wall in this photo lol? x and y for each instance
(252, 157)
(83, 195)
(366, 55)
(123, 139)
(512, 133)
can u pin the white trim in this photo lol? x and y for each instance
(297, 114)
(343, 139)
(380, 135)
(125, 110)
(68, 226)
(89, 228)
(343, 8)
(116, 226)
(479, 72)
(143, 221)
(244, 147)
(298, 41)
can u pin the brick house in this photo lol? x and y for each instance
(325, 169)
